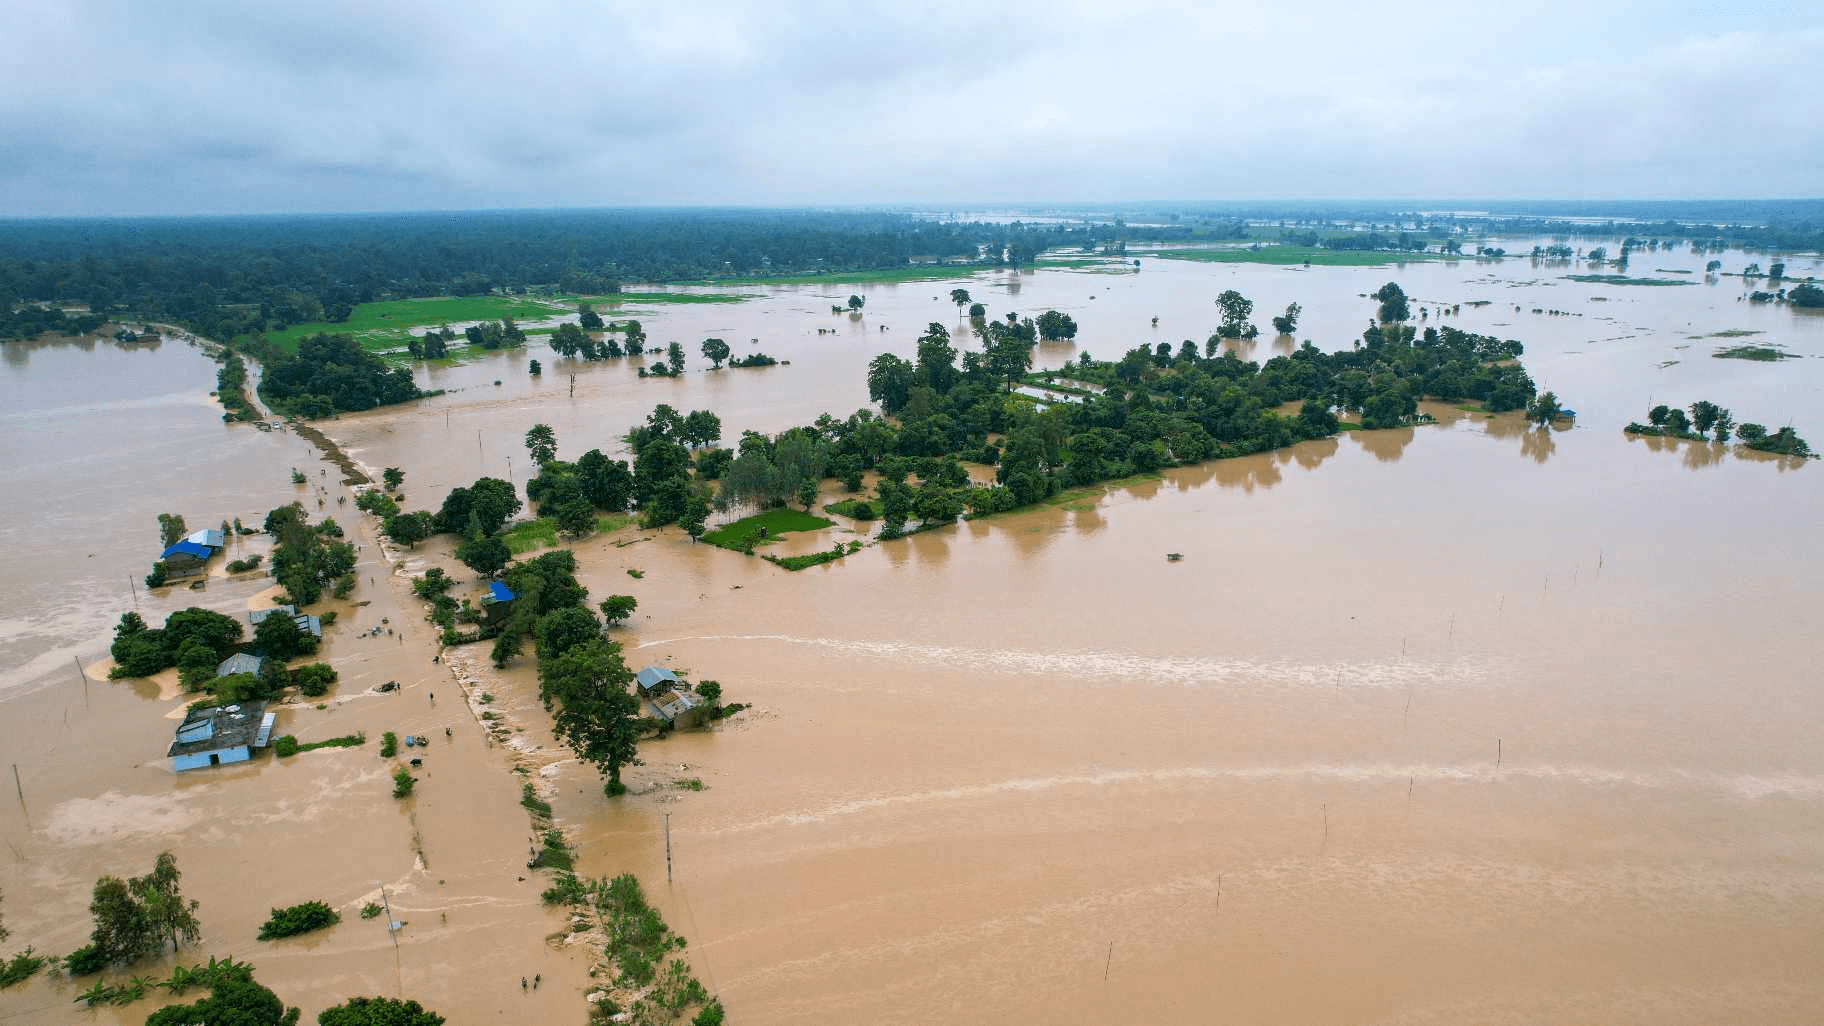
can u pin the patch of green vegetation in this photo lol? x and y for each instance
(370, 910)
(1730, 333)
(811, 559)
(22, 967)
(607, 522)
(289, 922)
(691, 784)
(743, 534)
(388, 324)
(403, 782)
(1467, 408)
(287, 745)
(1288, 255)
(533, 534)
(554, 853)
(1762, 354)
(538, 807)
(1622, 279)
(389, 745)
(855, 509)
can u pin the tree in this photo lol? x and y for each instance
(1054, 326)
(591, 321)
(563, 629)
(575, 516)
(606, 483)
(1288, 323)
(1544, 409)
(674, 357)
(409, 528)
(1393, 303)
(700, 428)
(856, 303)
(122, 932)
(392, 477)
(1752, 271)
(807, 493)
(484, 555)
(890, 380)
(1808, 295)
(1236, 309)
(715, 351)
(1658, 414)
(617, 608)
(977, 311)
(1703, 416)
(936, 366)
(1777, 269)
(597, 715)
(541, 442)
(1724, 421)
(169, 916)
(1676, 421)
(961, 298)
(378, 1011)
(171, 528)
(1713, 266)
(279, 637)
(1751, 432)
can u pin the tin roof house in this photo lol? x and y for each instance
(216, 737)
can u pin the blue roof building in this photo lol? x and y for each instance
(187, 549)
(498, 592)
(213, 737)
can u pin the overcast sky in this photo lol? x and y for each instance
(158, 107)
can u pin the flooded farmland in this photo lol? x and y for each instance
(1470, 722)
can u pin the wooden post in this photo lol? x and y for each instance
(668, 847)
(1497, 753)
(135, 589)
(16, 783)
(85, 683)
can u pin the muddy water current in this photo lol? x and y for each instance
(1473, 722)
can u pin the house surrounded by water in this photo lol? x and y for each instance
(670, 698)
(218, 736)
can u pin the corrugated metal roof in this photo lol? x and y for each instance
(240, 662)
(653, 676)
(500, 592)
(213, 539)
(211, 730)
(187, 548)
(257, 615)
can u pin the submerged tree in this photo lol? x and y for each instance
(597, 715)
(1393, 303)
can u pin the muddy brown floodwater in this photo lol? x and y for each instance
(1474, 722)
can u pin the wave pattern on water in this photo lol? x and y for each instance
(1135, 666)
(1738, 786)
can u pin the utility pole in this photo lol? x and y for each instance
(668, 847)
(85, 683)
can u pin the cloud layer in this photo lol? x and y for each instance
(211, 106)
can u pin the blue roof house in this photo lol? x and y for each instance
(497, 603)
(217, 737)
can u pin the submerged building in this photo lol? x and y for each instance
(217, 736)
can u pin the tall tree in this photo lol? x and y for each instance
(169, 915)
(1288, 323)
(961, 298)
(1236, 309)
(890, 381)
(715, 351)
(597, 715)
(171, 528)
(541, 442)
(856, 303)
(1393, 303)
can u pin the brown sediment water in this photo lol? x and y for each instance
(1473, 722)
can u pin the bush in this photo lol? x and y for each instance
(289, 922)
(285, 747)
(314, 679)
(241, 566)
(19, 968)
(389, 745)
(403, 782)
(85, 961)
(370, 910)
(711, 1015)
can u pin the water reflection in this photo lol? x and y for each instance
(1538, 444)
(1694, 455)
(1386, 445)
(1089, 521)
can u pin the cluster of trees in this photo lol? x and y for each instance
(306, 558)
(28, 321)
(331, 374)
(1708, 420)
(195, 640)
(136, 918)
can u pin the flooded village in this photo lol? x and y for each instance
(1468, 720)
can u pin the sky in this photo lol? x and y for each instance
(211, 106)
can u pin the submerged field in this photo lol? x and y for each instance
(1436, 724)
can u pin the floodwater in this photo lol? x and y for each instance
(1474, 722)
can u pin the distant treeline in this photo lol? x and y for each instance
(240, 276)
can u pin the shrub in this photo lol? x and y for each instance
(289, 922)
(389, 745)
(241, 566)
(711, 1015)
(403, 782)
(19, 968)
(285, 746)
(314, 679)
(85, 961)
(370, 910)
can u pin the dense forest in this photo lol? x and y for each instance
(229, 277)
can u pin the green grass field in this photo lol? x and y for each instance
(1286, 255)
(775, 521)
(387, 325)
